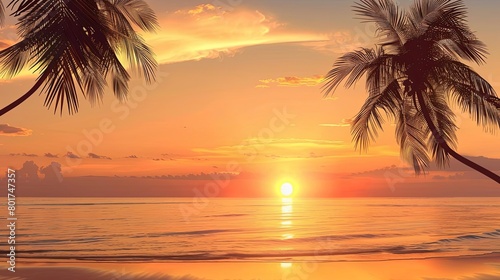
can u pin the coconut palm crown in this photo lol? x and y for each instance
(74, 46)
(413, 74)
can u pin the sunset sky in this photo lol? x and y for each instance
(239, 82)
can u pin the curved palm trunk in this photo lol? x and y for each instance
(447, 148)
(21, 99)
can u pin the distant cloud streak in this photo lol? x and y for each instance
(338, 43)
(95, 156)
(343, 123)
(71, 155)
(291, 81)
(23, 155)
(291, 149)
(49, 155)
(8, 130)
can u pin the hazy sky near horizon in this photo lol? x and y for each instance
(239, 81)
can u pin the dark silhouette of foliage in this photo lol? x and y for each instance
(411, 76)
(74, 46)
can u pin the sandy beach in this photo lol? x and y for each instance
(461, 268)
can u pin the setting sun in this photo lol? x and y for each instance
(231, 139)
(286, 189)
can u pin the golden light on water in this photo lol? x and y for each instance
(285, 265)
(286, 212)
(286, 209)
(286, 189)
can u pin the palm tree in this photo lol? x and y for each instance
(412, 75)
(74, 46)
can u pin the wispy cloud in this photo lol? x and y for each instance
(291, 149)
(200, 9)
(8, 130)
(72, 155)
(132, 156)
(482, 276)
(50, 155)
(209, 31)
(23, 155)
(343, 123)
(291, 81)
(338, 43)
(206, 31)
(95, 156)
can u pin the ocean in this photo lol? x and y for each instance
(253, 230)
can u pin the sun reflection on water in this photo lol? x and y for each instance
(286, 217)
(286, 265)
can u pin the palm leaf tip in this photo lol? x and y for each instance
(137, 12)
(350, 67)
(2, 13)
(391, 22)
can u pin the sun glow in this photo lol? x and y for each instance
(286, 265)
(286, 189)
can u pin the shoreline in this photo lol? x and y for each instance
(470, 267)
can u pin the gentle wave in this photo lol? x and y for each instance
(197, 232)
(226, 215)
(99, 203)
(485, 235)
(64, 241)
(319, 255)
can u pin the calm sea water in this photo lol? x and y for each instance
(179, 229)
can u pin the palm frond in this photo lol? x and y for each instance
(423, 12)
(138, 53)
(390, 20)
(140, 57)
(120, 79)
(411, 134)
(369, 120)
(74, 45)
(411, 75)
(352, 65)
(448, 27)
(471, 92)
(2, 13)
(381, 72)
(444, 121)
(462, 50)
(61, 89)
(15, 58)
(136, 11)
(466, 47)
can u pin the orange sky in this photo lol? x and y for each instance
(237, 84)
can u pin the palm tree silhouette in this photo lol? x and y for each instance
(413, 73)
(74, 46)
